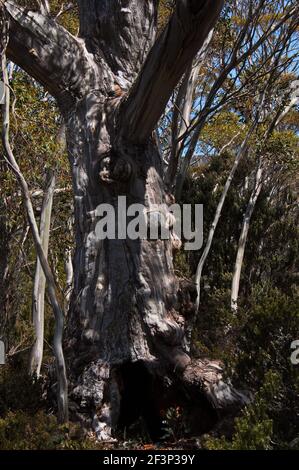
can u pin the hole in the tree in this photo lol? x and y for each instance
(139, 391)
(147, 407)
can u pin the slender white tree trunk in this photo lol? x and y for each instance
(62, 384)
(183, 109)
(69, 272)
(243, 237)
(207, 248)
(280, 114)
(38, 300)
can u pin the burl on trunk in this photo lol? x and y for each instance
(125, 340)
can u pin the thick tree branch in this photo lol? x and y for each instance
(46, 51)
(185, 34)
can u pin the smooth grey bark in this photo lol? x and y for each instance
(279, 115)
(243, 237)
(124, 317)
(39, 285)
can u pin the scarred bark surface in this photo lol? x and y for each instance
(125, 339)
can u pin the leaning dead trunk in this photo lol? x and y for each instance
(39, 287)
(243, 237)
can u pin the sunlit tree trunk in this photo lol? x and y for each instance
(125, 339)
(69, 275)
(243, 237)
(62, 384)
(243, 149)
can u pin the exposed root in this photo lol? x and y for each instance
(207, 376)
(114, 397)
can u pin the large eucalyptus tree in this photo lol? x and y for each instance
(125, 338)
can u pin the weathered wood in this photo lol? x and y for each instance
(122, 31)
(51, 55)
(124, 310)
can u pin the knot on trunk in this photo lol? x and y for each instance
(123, 169)
(176, 242)
(116, 168)
(105, 170)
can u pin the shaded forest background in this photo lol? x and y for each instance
(254, 342)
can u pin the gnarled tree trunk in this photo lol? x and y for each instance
(125, 340)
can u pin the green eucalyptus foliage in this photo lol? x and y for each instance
(258, 338)
(253, 430)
